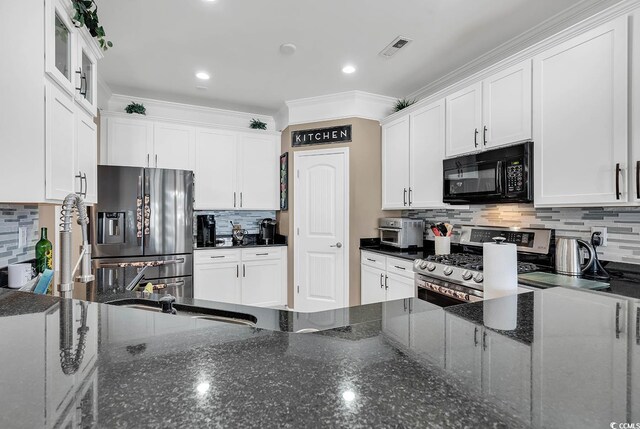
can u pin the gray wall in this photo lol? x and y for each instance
(623, 223)
(11, 217)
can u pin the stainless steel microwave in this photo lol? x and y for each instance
(503, 175)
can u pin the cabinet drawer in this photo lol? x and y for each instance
(401, 267)
(261, 253)
(215, 256)
(373, 259)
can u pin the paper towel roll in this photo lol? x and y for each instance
(501, 313)
(500, 269)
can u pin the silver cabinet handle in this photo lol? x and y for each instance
(638, 325)
(240, 199)
(237, 271)
(148, 156)
(262, 254)
(386, 282)
(83, 179)
(410, 199)
(381, 281)
(244, 270)
(156, 160)
(404, 199)
(475, 337)
(484, 135)
(618, 330)
(371, 260)
(400, 268)
(475, 138)
(484, 340)
(234, 199)
(79, 176)
(217, 256)
(338, 245)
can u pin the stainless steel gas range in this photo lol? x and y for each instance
(455, 278)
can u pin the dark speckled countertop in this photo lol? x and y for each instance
(397, 364)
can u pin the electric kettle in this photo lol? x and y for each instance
(568, 256)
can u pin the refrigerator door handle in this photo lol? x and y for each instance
(147, 209)
(139, 210)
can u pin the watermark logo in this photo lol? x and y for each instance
(615, 425)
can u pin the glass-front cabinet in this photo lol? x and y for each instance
(86, 77)
(60, 34)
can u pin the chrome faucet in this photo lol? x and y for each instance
(71, 202)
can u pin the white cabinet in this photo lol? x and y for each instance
(215, 167)
(86, 150)
(580, 357)
(427, 332)
(580, 119)
(412, 153)
(464, 120)
(384, 278)
(86, 74)
(395, 164)
(463, 350)
(635, 363)
(490, 113)
(173, 146)
(254, 276)
(395, 321)
(129, 142)
(258, 172)
(60, 42)
(59, 143)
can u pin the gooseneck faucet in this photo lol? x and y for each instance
(71, 202)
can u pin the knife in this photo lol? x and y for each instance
(442, 229)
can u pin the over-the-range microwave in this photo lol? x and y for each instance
(503, 175)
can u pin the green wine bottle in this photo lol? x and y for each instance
(44, 252)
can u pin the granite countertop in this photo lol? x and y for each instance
(404, 363)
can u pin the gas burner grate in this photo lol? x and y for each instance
(474, 262)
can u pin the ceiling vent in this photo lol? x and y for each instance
(393, 47)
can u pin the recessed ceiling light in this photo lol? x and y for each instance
(203, 76)
(288, 48)
(348, 69)
(209, 1)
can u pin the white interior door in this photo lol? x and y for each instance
(321, 199)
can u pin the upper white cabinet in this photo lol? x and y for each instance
(634, 344)
(42, 99)
(464, 120)
(86, 162)
(86, 75)
(490, 113)
(412, 152)
(580, 119)
(233, 169)
(173, 146)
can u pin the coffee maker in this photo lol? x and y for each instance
(267, 231)
(206, 231)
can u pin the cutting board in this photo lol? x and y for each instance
(550, 279)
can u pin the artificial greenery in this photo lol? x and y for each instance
(257, 124)
(136, 108)
(87, 16)
(402, 103)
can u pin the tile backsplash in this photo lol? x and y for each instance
(12, 217)
(623, 224)
(250, 220)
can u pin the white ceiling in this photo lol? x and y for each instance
(160, 44)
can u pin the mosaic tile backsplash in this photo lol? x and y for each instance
(250, 220)
(11, 217)
(623, 224)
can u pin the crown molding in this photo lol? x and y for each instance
(188, 113)
(574, 19)
(487, 64)
(349, 104)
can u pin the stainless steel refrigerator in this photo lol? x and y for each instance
(143, 220)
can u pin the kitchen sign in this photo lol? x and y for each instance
(321, 136)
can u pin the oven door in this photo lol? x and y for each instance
(473, 183)
(391, 236)
(445, 294)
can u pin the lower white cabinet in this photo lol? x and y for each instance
(395, 321)
(254, 276)
(463, 350)
(384, 278)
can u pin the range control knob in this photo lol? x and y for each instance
(478, 278)
(431, 266)
(466, 275)
(423, 265)
(447, 271)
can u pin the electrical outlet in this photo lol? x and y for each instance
(22, 236)
(603, 233)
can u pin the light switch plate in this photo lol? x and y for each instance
(603, 233)
(22, 236)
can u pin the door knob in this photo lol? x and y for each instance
(338, 245)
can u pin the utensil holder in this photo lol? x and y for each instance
(443, 245)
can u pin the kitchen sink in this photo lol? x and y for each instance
(192, 311)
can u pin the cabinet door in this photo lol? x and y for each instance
(371, 285)
(262, 283)
(506, 112)
(464, 120)
(216, 170)
(217, 282)
(86, 170)
(395, 321)
(506, 372)
(427, 332)
(129, 142)
(395, 164)
(60, 45)
(399, 287)
(580, 357)
(463, 350)
(59, 142)
(259, 180)
(173, 146)
(580, 118)
(635, 363)
(427, 152)
(86, 78)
